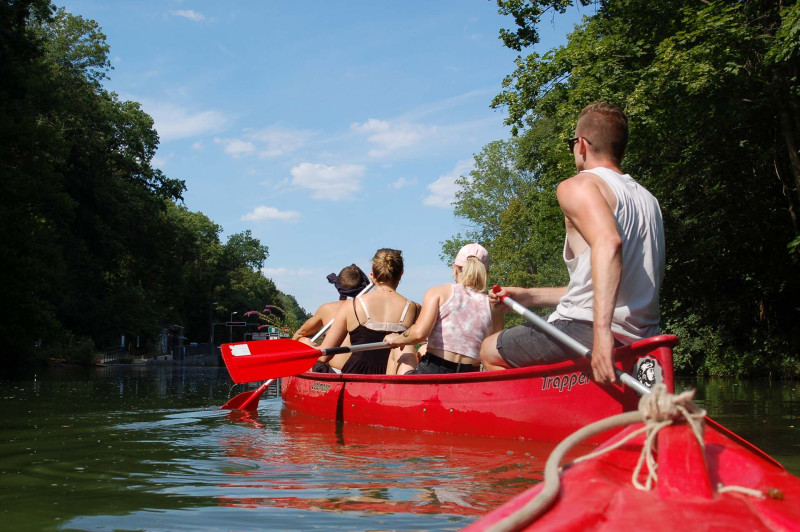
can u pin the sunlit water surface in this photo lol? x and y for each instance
(147, 448)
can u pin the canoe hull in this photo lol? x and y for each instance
(598, 494)
(543, 403)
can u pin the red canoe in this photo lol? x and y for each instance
(727, 486)
(544, 403)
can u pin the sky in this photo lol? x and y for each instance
(328, 129)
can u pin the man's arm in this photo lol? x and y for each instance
(530, 297)
(589, 212)
(321, 317)
(312, 325)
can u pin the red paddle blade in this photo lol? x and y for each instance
(243, 401)
(267, 359)
(247, 400)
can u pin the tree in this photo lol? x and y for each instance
(32, 199)
(711, 93)
(94, 241)
(510, 203)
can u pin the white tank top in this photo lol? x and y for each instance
(638, 217)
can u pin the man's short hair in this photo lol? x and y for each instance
(605, 126)
(350, 276)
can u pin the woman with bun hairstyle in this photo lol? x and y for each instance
(370, 317)
(455, 318)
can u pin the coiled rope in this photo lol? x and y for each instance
(656, 410)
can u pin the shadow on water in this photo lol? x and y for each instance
(142, 448)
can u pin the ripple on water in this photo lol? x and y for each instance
(150, 450)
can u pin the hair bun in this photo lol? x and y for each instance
(387, 265)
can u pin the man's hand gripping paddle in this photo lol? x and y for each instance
(580, 349)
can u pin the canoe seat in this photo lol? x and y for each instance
(647, 345)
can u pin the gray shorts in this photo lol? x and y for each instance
(524, 345)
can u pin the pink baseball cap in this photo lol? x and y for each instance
(472, 250)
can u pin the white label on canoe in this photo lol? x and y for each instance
(240, 350)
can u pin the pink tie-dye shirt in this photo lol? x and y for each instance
(465, 319)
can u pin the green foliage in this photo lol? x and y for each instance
(76, 45)
(510, 204)
(711, 92)
(94, 243)
(31, 194)
(526, 16)
(80, 351)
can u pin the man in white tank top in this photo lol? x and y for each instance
(614, 251)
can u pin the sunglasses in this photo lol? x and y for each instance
(571, 142)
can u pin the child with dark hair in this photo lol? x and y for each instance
(350, 282)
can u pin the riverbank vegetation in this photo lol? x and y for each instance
(712, 93)
(95, 241)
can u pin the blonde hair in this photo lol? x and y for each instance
(387, 265)
(473, 274)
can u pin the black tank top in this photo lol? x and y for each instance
(367, 362)
(371, 362)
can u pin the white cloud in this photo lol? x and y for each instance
(159, 162)
(302, 283)
(236, 147)
(198, 146)
(403, 183)
(173, 122)
(285, 273)
(332, 183)
(391, 137)
(270, 142)
(279, 141)
(263, 212)
(191, 14)
(443, 190)
(436, 108)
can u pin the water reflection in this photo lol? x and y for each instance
(135, 448)
(764, 412)
(319, 465)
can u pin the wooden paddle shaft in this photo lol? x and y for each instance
(571, 343)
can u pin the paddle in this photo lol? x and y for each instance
(328, 325)
(637, 386)
(568, 341)
(249, 400)
(270, 359)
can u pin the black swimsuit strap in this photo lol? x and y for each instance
(355, 311)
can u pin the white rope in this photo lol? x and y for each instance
(740, 489)
(657, 409)
(550, 487)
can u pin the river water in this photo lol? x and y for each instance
(147, 448)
